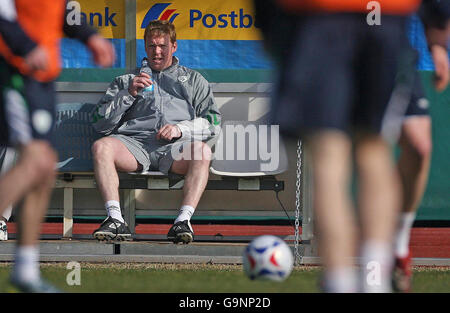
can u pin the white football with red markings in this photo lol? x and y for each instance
(268, 257)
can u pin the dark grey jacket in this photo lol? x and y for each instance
(181, 96)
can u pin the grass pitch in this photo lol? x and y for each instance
(200, 278)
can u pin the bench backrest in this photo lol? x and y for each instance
(248, 148)
(73, 137)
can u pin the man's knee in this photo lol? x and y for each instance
(420, 148)
(101, 149)
(416, 137)
(372, 155)
(47, 162)
(112, 152)
(40, 159)
(200, 151)
(423, 149)
(197, 154)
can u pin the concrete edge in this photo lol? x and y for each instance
(194, 259)
(134, 259)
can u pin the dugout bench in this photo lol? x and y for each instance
(74, 136)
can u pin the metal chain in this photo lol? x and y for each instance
(297, 256)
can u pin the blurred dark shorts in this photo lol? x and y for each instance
(340, 74)
(419, 104)
(27, 108)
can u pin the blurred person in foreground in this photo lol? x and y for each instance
(29, 63)
(415, 139)
(336, 88)
(6, 161)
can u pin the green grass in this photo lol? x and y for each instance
(171, 278)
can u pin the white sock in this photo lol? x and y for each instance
(340, 280)
(7, 213)
(26, 264)
(113, 209)
(406, 221)
(186, 213)
(377, 259)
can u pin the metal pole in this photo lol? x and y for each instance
(130, 34)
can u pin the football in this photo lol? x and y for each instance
(268, 258)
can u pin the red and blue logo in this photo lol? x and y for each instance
(159, 12)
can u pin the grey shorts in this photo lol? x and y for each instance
(151, 159)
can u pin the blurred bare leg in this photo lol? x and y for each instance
(335, 223)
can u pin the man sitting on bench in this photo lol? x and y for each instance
(159, 120)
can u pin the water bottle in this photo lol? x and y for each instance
(145, 68)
